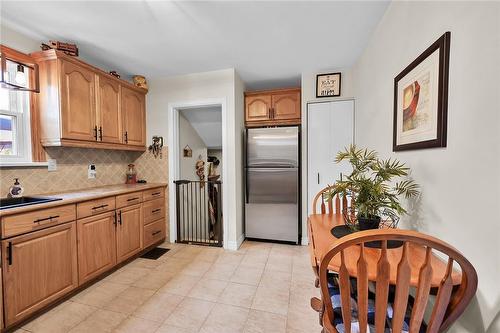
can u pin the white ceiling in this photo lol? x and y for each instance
(207, 122)
(269, 43)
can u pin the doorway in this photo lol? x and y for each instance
(197, 200)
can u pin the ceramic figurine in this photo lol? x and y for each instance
(140, 81)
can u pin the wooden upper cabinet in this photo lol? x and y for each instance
(134, 117)
(129, 232)
(286, 106)
(109, 111)
(83, 106)
(257, 108)
(273, 107)
(78, 104)
(38, 268)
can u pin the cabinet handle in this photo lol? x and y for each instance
(100, 133)
(132, 199)
(47, 218)
(120, 217)
(95, 132)
(9, 253)
(126, 137)
(156, 233)
(99, 207)
(156, 193)
(115, 219)
(156, 210)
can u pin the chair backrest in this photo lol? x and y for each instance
(449, 303)
(312, 247)
(327, 203)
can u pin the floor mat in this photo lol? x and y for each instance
(155, 253)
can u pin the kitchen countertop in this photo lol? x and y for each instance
(75, 196)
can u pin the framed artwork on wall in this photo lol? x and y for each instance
(421, 99)
(328, 85)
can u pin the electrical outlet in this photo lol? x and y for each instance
(51, 165)
(92, 173)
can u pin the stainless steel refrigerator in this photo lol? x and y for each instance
(272, 184)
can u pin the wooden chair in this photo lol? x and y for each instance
(329, 203)
(449, 302)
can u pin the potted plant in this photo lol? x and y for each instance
(373, 186)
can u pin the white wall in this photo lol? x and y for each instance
(308, 95)
(460, 184)
(222, 84)
(239, 127)
(189, 136)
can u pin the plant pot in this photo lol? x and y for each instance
(368, 223)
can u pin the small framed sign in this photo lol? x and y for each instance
(328, 85)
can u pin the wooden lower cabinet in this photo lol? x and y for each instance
(96, 245)
(129, 232)
(38, 268)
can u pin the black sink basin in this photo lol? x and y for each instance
(6, 203)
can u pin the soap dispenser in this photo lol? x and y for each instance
(16, 190)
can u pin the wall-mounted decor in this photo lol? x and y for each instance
(328, 85)
(188, 152)
(421, 99)
(156, 146)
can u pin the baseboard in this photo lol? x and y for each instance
(304, 240)
(235, 245)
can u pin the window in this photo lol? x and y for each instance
(15, 134)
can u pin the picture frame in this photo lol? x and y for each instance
(421, 99)
(187, 151)
(328, 85)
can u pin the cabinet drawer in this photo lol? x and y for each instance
(153, 210)
(94, 207)
(154, 193)
(128, 199)
(38, 219)
(154, 232)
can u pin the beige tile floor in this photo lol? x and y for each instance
(262, 287)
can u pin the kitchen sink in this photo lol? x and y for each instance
(6, 203)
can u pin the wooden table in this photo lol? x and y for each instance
(321, 225)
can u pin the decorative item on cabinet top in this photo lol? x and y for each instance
(88, 107)
(140, 81)
(67, 48)
(273, 107)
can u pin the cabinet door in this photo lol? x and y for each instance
(78, 103)
(134, 121)
(330, 128)
(129, 232)
(257, 108)
(109, 111)
(38, 268)
(286, 106)
(96, 245)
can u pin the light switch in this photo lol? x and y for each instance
(92, 171)
(51, 165)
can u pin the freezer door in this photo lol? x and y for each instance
(272, 185)
(273, 147)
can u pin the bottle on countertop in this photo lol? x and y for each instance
(131, 175)
(16, 190)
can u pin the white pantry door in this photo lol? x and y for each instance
(330, 128)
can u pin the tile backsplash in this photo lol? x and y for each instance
(71, 173)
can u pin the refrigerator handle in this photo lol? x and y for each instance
(246, 187)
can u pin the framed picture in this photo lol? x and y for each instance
(328, 85)
(421, 99)
(187, 151)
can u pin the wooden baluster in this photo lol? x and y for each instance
(323, 210)
(362, 290)
(345, 294)
(442, 300)
(424, 286)
(382, 290)
(330, 206)
(402, 290)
